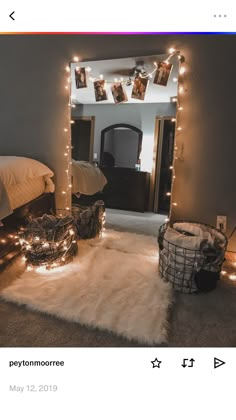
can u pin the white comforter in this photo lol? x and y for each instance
(15, 170)
(87, 178)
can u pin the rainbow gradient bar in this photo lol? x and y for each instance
(117, 33)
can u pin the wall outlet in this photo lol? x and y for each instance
(221, 222)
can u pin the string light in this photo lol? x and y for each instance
(128, 82)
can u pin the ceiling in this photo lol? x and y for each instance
(121, 68)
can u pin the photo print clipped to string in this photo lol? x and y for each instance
(119, 93)
(100, 90)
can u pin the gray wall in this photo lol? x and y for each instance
(33, 103)
(139, 115)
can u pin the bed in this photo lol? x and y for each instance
(21, 181)
(26, 189)
(87, 178)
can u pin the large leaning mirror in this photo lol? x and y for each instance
(117, 108)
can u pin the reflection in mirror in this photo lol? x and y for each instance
(82, 139)
(130, 148)
(120, 146)
(166, 135)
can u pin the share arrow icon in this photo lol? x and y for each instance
(218, 362)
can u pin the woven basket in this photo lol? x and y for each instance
(49, 241)
(89, 220)
(191, 270)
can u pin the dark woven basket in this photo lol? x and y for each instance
(191, 270)
(89, 220)
(49, 241)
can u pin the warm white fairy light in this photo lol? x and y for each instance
(76, 59)
(180, 89)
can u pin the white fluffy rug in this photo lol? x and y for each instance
(113, 284)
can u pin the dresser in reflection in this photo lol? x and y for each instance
(126, 189)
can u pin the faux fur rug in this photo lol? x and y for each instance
(113, 284)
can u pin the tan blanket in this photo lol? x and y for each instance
(5, 208)
(87, 178)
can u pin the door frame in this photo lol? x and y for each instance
(91, 140)
(156, 161)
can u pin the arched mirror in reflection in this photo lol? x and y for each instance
(121, 146)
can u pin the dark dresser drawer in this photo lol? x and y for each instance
(126, 189)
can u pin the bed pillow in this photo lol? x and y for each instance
(15, 170)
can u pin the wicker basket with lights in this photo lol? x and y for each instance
(49, 241)
(89, 220)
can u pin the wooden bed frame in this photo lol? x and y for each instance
(45, 203)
